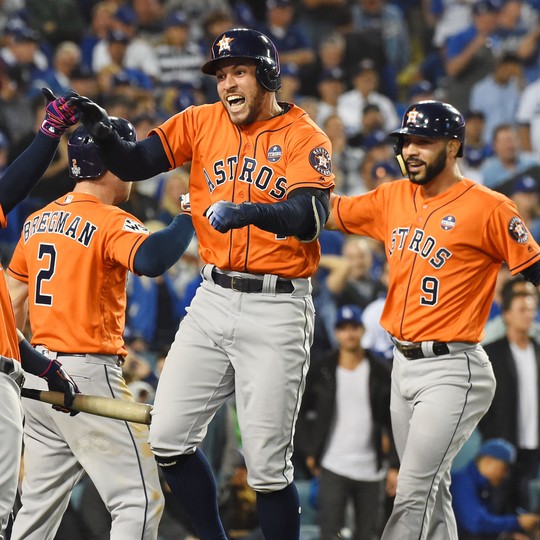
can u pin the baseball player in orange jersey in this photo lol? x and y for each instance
(68, 272)
(445, 238)
(14, 349)
(259, 188)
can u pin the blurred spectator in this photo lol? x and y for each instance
(470, 490)
(514, 414)
(345, 159)
(56, 21)
(385, 24)
(376, 149)
(518, 32)
(528, 118)
(149, 15)
(21, 52)
(178, 56)
(376, 339)
(289, 38)
(67, 58)
(101, 24)
(351, 104)
(475, 150)
(346, 389)
(116, 74)
(509, 160)
(329, 88)
(383, 171)
(469, 53)
(372, 126)
(449, 18)
(497, 95)
(507, 285)
(420, 90)
(329, 59)
(84, 82)
(16, 109)
(319, 18)
(524, 193)
(358, 287)
(139, 54)
(290, 83)
(175, 183)
(359, 45)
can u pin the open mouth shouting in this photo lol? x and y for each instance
(235, 102)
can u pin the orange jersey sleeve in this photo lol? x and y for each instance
(261, 162)
(75, 254)
(9, 342)
(444, 254)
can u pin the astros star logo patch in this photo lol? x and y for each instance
(518, 231)
(320, 160)
(224, 44)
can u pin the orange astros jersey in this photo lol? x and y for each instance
(261, 162)
(444, 254)
(9, 341)
(74, 254)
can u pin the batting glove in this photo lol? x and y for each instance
(185, 204)
(225, 215)
(59, 115)
(59, 381)
(95, 118)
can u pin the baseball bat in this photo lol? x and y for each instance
(130, 411)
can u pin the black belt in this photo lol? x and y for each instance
(249, 285)
(69, 354)
(414, 351)
(119, 358)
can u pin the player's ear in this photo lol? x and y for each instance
(453, 148)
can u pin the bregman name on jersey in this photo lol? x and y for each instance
(61, 222)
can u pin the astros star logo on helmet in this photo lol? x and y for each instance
(225, 44)
(412, 116)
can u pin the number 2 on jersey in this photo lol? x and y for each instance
(45, 274)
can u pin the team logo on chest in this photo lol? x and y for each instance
(320, 160)
(448, 223)
(274, 154)
(517, 230)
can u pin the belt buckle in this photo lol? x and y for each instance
(232, 284)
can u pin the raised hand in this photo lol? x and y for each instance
(59, 115)
(95, 118)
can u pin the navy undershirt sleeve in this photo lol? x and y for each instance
(26, 170)
(293, 217)
(532, 273)
(163, 248)
(134, 161)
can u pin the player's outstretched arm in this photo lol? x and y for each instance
(302, 215)
(163, 248)
(331, 223)
(130, 161)
(31, 164)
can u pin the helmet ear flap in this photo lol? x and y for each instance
(268, 76)
(398, 148)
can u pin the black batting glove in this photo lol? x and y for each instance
(225, 215)
(59, 381)
(94, 118)
(59, 115)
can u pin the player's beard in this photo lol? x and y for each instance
(431, 171)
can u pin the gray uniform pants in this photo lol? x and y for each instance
(436, 403)
(255, 345)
